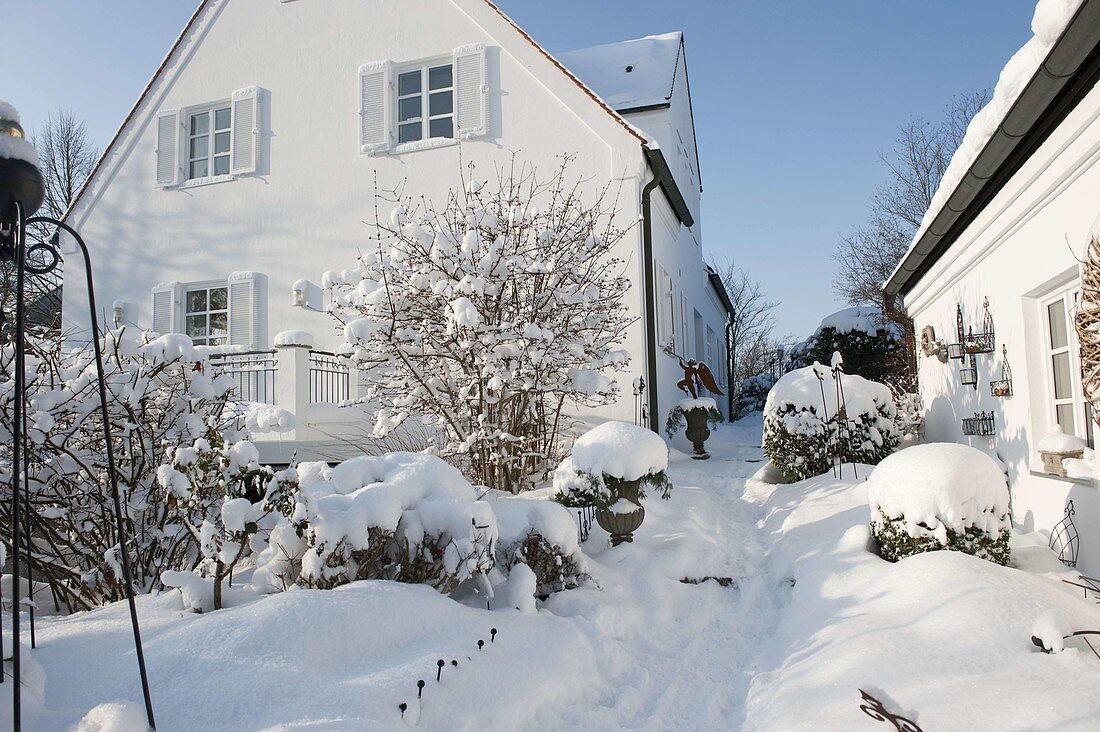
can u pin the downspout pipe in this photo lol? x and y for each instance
(650, 300)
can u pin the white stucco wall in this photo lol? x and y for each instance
(303, 212)
(1024, 245)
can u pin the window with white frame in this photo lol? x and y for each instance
(1068, 406)
(209, 138)
(425, 103)
(206, 315)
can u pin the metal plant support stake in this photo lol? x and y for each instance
(641, 413)
(1064, 538)
(21, 191)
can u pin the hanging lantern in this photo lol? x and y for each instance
(20, 178)
(969, 375)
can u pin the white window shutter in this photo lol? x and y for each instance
(471, 92)
(375, 104)
(164, 307)
(168, 148)
(244, 309)
(246, 131)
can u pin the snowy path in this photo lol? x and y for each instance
(641, 650)
(684, 653)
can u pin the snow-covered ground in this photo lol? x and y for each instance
(809, 618)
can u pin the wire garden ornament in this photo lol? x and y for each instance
(1064, 538)
(875, 709)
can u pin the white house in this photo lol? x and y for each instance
(248, 164)
(1009, 226)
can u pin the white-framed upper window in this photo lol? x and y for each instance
(209, 141)
(1068, 407)
(206, 315)
(425, 103)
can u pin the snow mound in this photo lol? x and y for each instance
(1058, 441)
(940, 486)
(15, 148)
(114, 717)
(700, 403)
(1051, 628)
(621, 450)
(294, 338)
(802, 389)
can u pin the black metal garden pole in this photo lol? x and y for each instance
(21, 189)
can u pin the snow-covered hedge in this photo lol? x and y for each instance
(940, 496)
(409, 517)
(866, 339)
(605, 458)
(803, 433)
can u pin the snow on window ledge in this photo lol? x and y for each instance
(429, 144)
(1089, 482)
(208, 180)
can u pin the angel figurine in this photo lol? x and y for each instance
(696, 370)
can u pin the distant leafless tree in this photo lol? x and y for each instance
(751, 325)
(66, 157)
(870, 252)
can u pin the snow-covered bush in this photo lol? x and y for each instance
(607, 458)
(402, 516)
(940, 496)
(542, 536)
(408, 517)
(753, 394)
(159, 395)
(222, 497)
(910, 419)
(492, 313)
(805, 431)
(866, 339)
(677, 416)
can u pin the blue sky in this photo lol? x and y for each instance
(793, 100)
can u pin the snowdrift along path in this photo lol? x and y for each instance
(642, 650)
(810, 617)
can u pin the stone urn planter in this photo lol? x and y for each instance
(700, 415)
(611, 468)
(619, 519)
(698, 431)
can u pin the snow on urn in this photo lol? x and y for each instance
(20, 178)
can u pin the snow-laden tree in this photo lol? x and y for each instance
(490, 313)
(159, 395)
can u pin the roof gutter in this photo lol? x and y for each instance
(663, 175)
(1066, 76)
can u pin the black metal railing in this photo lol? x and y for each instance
(252, 373)
(329, 378)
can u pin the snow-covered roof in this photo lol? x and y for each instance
(1047, 25)
(629, 74)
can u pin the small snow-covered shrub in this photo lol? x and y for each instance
(541, 535)
(606, 458)
(866, 339)
(940, 496)
(910, 419)
(677, 416)
(222, 497)
(753, 394)
(803, 433)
